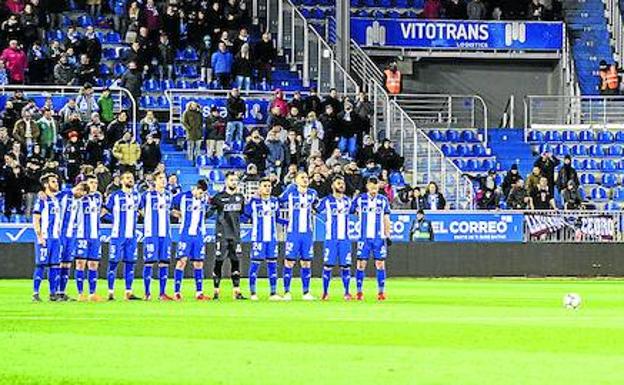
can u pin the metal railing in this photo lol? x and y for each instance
(120, 96)
(304, 47)
(424, 159)
(573, 226)
(574, 111)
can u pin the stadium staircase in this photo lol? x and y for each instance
(590, 39)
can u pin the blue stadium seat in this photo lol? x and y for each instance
(586, 136)
(478, 150)
(184, 84)
(607, 165)
(599, 193)
(167, 84)
(561, 150)
(589, 164)
(619, 136)
(587, 179)
(618, 194)
(616, 150)
(104, 70)
(216, 176)
(238, 161)
(596, 150)
(570, 136)
(448, 150)
(545, 148)
(202, 160)
(162, 102)
(609, 180)
(110, 54)
(436, 136)
(452, 136)
(84, 21)
(462, 150)
(488, 164)
(536, 136)
(151, 85)
(113, 38)
(119, 69)
(190, 54)
(396, 179)
(605, 137)
(472, 165)
(579, 150)
(469, 136)
(553, 136)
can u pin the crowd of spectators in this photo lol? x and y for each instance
(153, 29)
(492, 9)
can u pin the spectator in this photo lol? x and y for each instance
(106, 105)
(366, 152)
(251, 174)
(234, 13)
(536, 10)
(236, 110)
(333, 100)
(116, 129)
(275, 118)
(85, 73)
(353, 179)
(86, 102)
(312, 144)
(364, 110)
(18, 153)
(49, 132)
(296, 101)
(416, 199)
(221, 63)
(265, 55)
(313, 124)
(132, 79)
(476, 10)
(350, 127)
(280, 103)
(432, 9)
(104, 177)
(434, 200)
(10, 116)
(518, 198)
(241, 40)
(16, 62)
(205, 60)
(294, 121)
(95, 126)
(371, 170)
(312, 103)
(215, 133)
(388, 157)
(127, 152)
(149, 126)
(74, 125)
(277, 154)
(489, 200)
(291, 174)
(30, 25)
(294, 149)
(37, 64)
(63, 72)
(567, 173)
(456, 10)
(95, 7)
(613, 80)
(92, 46)
(73, 155)
(6, 143)
(150, 154)
(26, 131)
(335, 159)
(95, 148)
(603, 72)
(173, 184)
(547, 162)
(166, 57)
(533, 179)
(331, 124)
(572, 199)
(320, 185)
(510, 179)
(15, 185)
(542, 197)
(243, 68)
(12, 28)
(19, 101)
(32, 173)
(193, 123)
(256, 151)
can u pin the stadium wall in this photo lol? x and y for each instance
(427, 260)
(494, 80)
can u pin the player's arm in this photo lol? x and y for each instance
(247, 212)
(175, 206)
(37, 222)
(386, 218)
(354, 205)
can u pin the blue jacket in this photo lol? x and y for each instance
(222, 62)
(276, 152)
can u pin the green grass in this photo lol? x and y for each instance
(456, 331)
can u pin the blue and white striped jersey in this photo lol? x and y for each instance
(69, 208)
(88, 216)
(156, 210)
(51, 216)
(124, 208)
(299, 207)
(193, 210)
(371, 213)
(263, 214)
(336, 217)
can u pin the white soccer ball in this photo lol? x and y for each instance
(572, 301)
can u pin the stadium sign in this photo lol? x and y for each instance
(459, 35)
(572, 226)
(257, 109)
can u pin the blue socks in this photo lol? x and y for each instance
(327, 274)
(37, 278)
(79, 277)
(111, 275)
(346, 278)
(129, 275)
(253, 275)
(162, 278)
(359, 279)
(306, 275)
(54, 278)
(272, 271)
(64, 279)
(178, 275)
(92, 276)
(199, 280)
(147, 279)
(288, 271)
(381, 280)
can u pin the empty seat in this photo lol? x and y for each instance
(596, 150)
(469, 136)
(570, 136)
(599, 193)
(452, 136)
(478, 150)
(553, 136)
(586, 136)
(607, 164)
(436, 136)
(472, 165)
(587, 179)
(562, 150)
(609, 180)
(216, 176)
(616, 150)
(460, 163)
(579, 150)
(619, 136)
(448, 150)
(488, 165)
(605, 137)
(462, 150)
(536, 136)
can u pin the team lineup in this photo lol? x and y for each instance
(67, 226)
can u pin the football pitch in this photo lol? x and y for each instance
(438, 331)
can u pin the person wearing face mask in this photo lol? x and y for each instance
(567, 173)
(572, 199)
(510, 179)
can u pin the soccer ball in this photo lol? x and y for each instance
(572, 301)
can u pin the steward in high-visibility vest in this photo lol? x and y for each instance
(602, 73)
(393, 80)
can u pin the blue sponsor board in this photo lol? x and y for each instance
(257, 109)
(464, 35)
(448, 226)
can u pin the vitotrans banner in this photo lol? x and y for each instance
(450, 226)
(464, 35)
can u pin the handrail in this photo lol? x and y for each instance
(76, 89)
